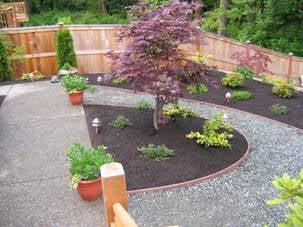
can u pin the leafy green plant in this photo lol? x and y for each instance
(75, 83)
(278, 109)
(241, 95)
(143, 105)
(66, 66)
(216, 133)
(197, 89)
(5, 67)
(158, 152)
(291, 191)
(65, 20)
(244, 71)
(32, 76)
(284, 90)
(233, 80)
(85, 162)
(176, 110)
(118, 81)
(65, 49)
(120, 122)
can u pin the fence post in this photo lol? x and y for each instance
(114, 189)
(289, 66)
(61, 25)
(247, 49)
(198, 45)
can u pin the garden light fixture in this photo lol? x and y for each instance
(228, 97)
(97, 124)
(99, 80)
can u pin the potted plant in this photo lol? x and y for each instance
(75, 86)
(85, 165)
(67, 69)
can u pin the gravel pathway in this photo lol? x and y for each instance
(237, 198)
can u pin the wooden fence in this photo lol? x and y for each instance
(92, 42)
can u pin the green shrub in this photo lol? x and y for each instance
(284, 90)
(245, 71)
(278, 109)
(241, 95)
(158, 152)
(120, 122)
(291, 191)
(74, 83)
(85, 162)
(143, 105)
(216, 133)
(5, 67)
(233, 80)
(179, 111)
(65, 49)
(197, 89)
(118, 81)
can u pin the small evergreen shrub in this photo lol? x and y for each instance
(278, 109)
(65, 49)
(244, 71)
(216, 133)
(179, 111)
(197, 89)
(158, 152)
(120, 122)
(5, 67)
(284, 90)
(233, 80)
(291, 191)
(143, 105)
(241, 95)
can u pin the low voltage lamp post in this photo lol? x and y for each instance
(97, 124)
(99, 80)
(228, 98)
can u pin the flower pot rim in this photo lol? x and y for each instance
(75, 92)
(89, 181)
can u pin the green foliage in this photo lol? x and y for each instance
(278, 109)
(284, 90)
(74, 83)
(233, 80)
(32, 76)
(120, 122)
(179, 111)
(157, 3)
(143, 105)
(245, 71)
(5, 67)
(66, 66)
(85, 162)
(118, 81)
(291, 191)
(76, 17)
(197, 89)
(216, 133)
(241, 95)
(158, 152)
(65, 49)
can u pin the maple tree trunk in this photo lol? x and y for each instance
(157, 113)
(223, 18)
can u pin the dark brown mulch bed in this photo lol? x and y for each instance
(260, 104)
(191, 161)
(2, 97)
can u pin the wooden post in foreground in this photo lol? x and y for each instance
(114, 189)
(289, 66)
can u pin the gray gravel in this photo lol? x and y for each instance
(237, 198)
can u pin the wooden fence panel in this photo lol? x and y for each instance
(92, 42)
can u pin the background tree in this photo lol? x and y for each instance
(153, 60)
(5, 67)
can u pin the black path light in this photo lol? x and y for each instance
(97, 124)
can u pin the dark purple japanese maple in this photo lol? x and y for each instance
(153, 61)
(256, 61)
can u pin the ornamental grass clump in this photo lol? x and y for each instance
(216, 133)
(278, 109)
(152, 60)
(143, 105)
(197, 89)
(120, 122)
(158, 152)
(244, 71)
(233, 80)
(85, 162)
(241, 95)
(284, 90)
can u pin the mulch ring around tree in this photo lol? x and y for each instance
(260, 103)
(191, 161)
(2, 97)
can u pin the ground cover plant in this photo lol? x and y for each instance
(32, 76)
(152, 60)
(143, 105)
(118, 81)
(278, 109)
(197, 89)
(244, 71)
(177, 110)
(158, 152)
(216, 133)
(120, 122)
(233, 80)
(241, 95)
(284, 90)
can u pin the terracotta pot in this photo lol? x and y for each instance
(76, 98)
(90, 190)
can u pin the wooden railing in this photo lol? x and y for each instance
(115, 196)
(92, 42)
(12, 14)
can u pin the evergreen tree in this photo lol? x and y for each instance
(5, 67)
